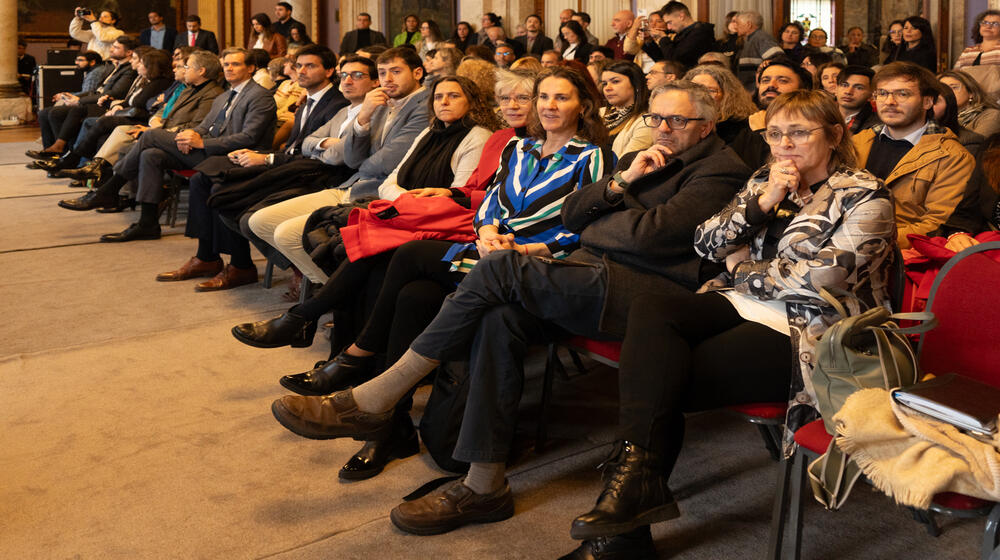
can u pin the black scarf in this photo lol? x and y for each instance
(429, 165)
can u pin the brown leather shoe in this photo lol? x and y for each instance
(229, 277)
(333, 416)
(450, 507)
(193, 268)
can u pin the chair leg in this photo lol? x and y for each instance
(551, 363)
(797, 503)
(926, 518)
(577, 361)
(771, 434)
(268, 274)
(990, 540)
(787, 512)
(779, 513)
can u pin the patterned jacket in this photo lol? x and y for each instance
(842, 237)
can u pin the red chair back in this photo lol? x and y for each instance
(965, 298)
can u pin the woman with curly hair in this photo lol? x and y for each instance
(735, 106)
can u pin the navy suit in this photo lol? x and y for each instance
(205, 40)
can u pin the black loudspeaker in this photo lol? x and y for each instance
(61, 57)
(54, 79)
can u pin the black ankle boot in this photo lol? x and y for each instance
(93, 170)
(287, 330)
(371, 459)
(634, 545)
(635, 494)
(341, 372)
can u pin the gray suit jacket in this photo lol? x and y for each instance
(191, 107)
(249, 124)
(377, 151)
(333, 155)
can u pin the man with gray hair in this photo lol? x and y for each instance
(758, 46)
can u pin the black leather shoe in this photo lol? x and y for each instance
(123, 203)
(634, 545)
(287, 330)
(42, 154)
(91, 200)
(133, 232)
(92, 170)
(635, 494)
(341, 372)
(374, 455)
(77, 184)
(50, 165)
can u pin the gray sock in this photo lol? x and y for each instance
(485, 478)
(383, 392)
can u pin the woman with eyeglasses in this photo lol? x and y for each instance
(892, 42)
(735, 106)
(624, 89)
(809, 220)
(976, 111)
(982, 59)
(409, 291)
(918, 44)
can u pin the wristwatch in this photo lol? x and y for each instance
(617, 178)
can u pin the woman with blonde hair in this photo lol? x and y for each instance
(529, 63)
(735, 106)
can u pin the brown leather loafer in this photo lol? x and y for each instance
(450, 507)
(330, 417)
(193, 268)
(228, 277)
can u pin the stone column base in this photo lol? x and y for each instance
(15, 107)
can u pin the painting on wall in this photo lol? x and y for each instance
(441, 12)
(51, 17)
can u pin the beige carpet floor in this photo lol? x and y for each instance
(133, 426)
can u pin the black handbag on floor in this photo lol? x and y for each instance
(442, 417)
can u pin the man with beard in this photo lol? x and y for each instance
(535, 42)
(854, 94)
(776, 76)
(921, 162)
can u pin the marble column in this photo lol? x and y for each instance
(13, 102)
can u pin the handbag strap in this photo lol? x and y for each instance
(928, 321)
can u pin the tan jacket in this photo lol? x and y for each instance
(927, 183)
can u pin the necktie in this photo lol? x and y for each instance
(220, 119)
(306, 112)
(191, 38)
(294, 147)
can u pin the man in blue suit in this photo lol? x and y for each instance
(315, 65)
(243, 117)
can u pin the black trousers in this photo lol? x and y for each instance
(505, 304)
(690, 352)
(205, 224)
(155, 152)
(63, 122)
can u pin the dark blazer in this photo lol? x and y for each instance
(866, 118)
(541, 44)
(204, 40)
(921, 55)
(350, 42)
(328, 106)
(136, 107)
(645, 238)
(192, 106)
(169, 36)
(249, 124)
(582, 52)
(115, 85)
(688, 45)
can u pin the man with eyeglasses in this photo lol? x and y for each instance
(662, 73)
(854, 93)
(921, 162)
(315, 66)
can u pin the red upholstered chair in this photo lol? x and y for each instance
(966, 300)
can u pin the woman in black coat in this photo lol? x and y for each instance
(577, 46)
(918, 43)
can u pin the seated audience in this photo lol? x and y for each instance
(757, 47)
(775, 77)
(441, 62)
(504, 55)
(977, 112)
(361, 36)
(921, 162)
(854, 97)
(528, 63)
(601, 53)
(577, 47)
(283, 20)
(734, 106)
(314, 66)
(813, 61)
(596, 68)
(430, 37)
(534, 42)
(242, 118)
(918, 44)
(624, 90)
(946, 115)
(488, 20)
(642, 36)
(817, 43)
(410, 33)
(260, 59)
(263, 36)
(790, 40)
(810, 220)
(893, 42)
(828, 74)
(663, 72)
(374, 145)
(688, 38)
(464, 37)
(197, 37)
(857, 51)
(982, 59)
(297, 38)
(551, 58)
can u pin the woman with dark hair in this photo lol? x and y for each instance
(560, 155)
(810, 220)
(790, 39)
(577, 47)
(893, 42)
(260, 59)
(463, 37)
(976, 111)
(410, 33)
(265, 38)
(946, 114)
(488, 20)
(624, 88)
(297, 38)
(729, 42)
(813, 61)
(155, 76)
(918, 44)
(981, 61)
(430, 37)
(827, 74)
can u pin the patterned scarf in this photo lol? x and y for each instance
(969, 114)
(617, 118)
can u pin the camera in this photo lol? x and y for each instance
(83, 12)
